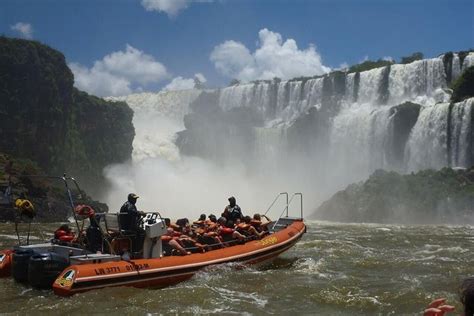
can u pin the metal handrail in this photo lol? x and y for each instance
(301, 202)
(285, 209)
(274, 201)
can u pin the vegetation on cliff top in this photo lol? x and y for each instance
(429, 196)
(463, 87)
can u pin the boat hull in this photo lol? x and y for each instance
(161, 272)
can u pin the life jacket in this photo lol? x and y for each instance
(226, 231)
(175, 227)
(84, 211)
(166, 238)
(199, 223)
(243, 227)
(63, 235)
(255, 223)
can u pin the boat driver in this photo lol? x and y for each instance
(130, 215)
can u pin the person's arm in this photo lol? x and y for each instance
(438, 308)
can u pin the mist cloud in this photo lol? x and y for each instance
(272, 58)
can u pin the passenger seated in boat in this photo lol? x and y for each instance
(64, 233)
(191, 244)
(245, 228)
(171, 243)
(259, 224)
(232, 211)
(201, 221)
(227, 231)
(182, 223)
(169, 224)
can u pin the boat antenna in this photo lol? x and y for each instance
(65, 178)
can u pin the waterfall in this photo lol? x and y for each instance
(157, 118)
(460, 140)
(427, 146)
(311, 134)
(419, 81)
(358, 140)
(359, 122)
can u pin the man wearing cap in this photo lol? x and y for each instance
(129, 214)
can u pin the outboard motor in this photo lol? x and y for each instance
(20, 261)
(44, 268)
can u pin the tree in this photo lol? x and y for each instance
(413, 57)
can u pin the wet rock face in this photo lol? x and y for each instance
(216, 134)
(48, 121)
(36, 99)
(404, 117)
(445, 196)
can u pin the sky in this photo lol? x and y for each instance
(117, 47)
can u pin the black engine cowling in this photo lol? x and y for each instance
(44, 268)
(20, 262)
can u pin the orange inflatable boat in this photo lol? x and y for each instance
(164, 271)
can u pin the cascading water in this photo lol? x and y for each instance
(317, 134)
(361, 125)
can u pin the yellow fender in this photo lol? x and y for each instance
(25, 206)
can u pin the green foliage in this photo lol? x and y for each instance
(47, 120)
(428, 196)
(413, 57)
(369, 64)
(463, 87)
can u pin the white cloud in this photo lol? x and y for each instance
(170, 7)
(25, 29)
(272, 58)
(343, 66)
(180, 83)
(119, 73)
(99, 82)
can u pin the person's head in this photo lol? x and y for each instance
(229, 224)
(247, 219)
(467, 296)
(222, 220)
(167, 222)
(202, 217)
(257, 217)
(213, 218)
(132, 198)
(182, 222)
(232, 201)
(65, 227)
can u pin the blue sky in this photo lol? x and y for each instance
(194, 38)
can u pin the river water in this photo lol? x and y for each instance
(336, 269)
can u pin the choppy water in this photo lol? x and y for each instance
(336, 269)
